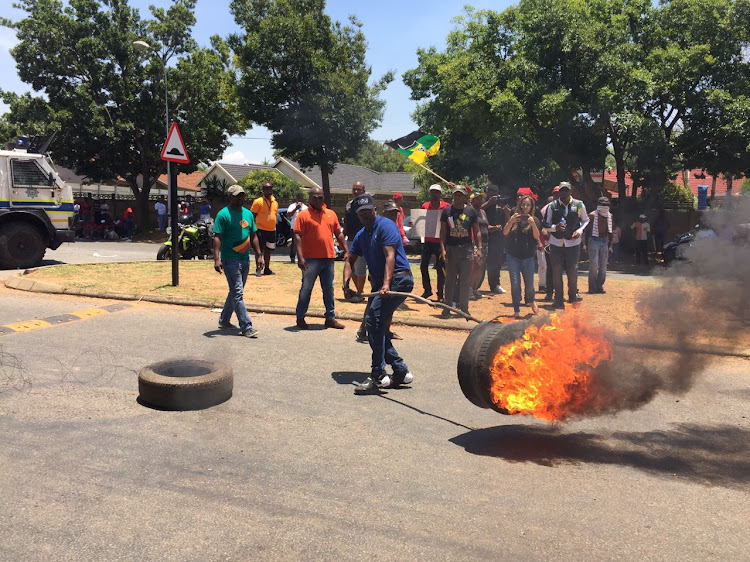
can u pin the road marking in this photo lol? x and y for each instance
(37, 324)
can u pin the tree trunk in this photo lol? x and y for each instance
(619, 163)
(142, 207)
(729, 186)
(713, 187)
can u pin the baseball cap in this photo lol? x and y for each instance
(265, 185)
(602, 201)
(235, 190)
(526, 191)
(436, 187)
(642, 217)
(363, 202)
(390, 206)
(564, 185)
(460, 189)
(397, 196)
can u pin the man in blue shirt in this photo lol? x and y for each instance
(379, 242)
(234, 233)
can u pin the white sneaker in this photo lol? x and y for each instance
(498, 290)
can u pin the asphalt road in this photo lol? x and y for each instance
(296, 467)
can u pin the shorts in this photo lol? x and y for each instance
(360, 267)
(267, 238)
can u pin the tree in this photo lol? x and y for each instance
(108, 104)
(375, 156)
(305, 78)
(283, 187)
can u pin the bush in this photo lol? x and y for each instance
(283, 187)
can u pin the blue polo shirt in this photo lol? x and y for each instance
(369, 243)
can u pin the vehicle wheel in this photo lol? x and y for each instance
(280, 239)
(22, 245)
(185, 384)
(164, 253)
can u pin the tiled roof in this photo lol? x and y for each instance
(696, 178)
(187, 182)
(344, 175)
(239, 171)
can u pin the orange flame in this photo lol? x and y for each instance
(549, 373)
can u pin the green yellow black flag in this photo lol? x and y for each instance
(416, 146)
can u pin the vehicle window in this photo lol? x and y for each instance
(28, 173)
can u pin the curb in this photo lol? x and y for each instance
(19, 282)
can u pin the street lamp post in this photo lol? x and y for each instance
(171, 169)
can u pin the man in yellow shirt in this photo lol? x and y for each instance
(264, 209)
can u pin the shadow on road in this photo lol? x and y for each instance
(709, 455)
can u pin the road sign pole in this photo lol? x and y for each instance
(172, 172)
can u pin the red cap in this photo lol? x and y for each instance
(526, 191)
(398, 196)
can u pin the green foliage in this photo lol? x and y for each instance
(380, 158)
(670, 196)
(745, 187)
(283, 187)
(107, 98)
(215, 187)
(305, 78)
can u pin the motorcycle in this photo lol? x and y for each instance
(675, 250)
(195, 240)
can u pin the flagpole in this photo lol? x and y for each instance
(433, 173)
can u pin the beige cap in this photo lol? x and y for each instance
(235, 190)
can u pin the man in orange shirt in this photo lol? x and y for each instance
(264, 209)
(314, 230)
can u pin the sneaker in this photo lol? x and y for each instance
(498, 290)
(426, 294)
(301, 324)
(357, 298)
(362, 337)
(477, 295)
(250, 333)
(227, 326)
(401, 378)
(334, 324)
(267, 271)
(558, 304)
(394, 336)
(445, 314)
(373, 386)
(259, 272)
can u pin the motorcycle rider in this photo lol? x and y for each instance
(234, 232)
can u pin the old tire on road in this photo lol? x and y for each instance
(185, 384)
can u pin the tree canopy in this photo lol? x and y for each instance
(380, 158)
(107, 98)
(283, 187)
(548, 87)
(305, 78)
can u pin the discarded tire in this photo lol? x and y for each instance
(185, 384)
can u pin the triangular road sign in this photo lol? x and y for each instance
(174, 148)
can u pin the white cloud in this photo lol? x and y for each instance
(237, 157)
(8, 39)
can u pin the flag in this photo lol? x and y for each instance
(416, 146)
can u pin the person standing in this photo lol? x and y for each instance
(496, 219)
(615, 249)
(161, 214)
(264, 209)
(379, 242)
(565, 220)
(127, 221)
(398, 199)
(659, 230)
(458, 222)
(205, 210)
(521, 239)
(352, 225)
(291, 213)
(641, 230)
(548, 283)
(600, 224)
(314, 231)
(478, 266)
(431, 247)
(234, 233)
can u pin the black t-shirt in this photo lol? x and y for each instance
(495, 217)
(352, 224)
(460, 225)
(520, 244)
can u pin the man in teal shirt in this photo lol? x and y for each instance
(234, 233)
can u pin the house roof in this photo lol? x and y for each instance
(696, 177)
(188, 182)
(344, 175)
(235, 171)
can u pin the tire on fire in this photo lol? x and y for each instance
(185, 384)
(477, 355)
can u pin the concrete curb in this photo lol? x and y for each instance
(22, 283)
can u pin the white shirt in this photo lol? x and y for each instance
(291, 213)
(582, 215)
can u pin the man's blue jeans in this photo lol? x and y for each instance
(598, 255)
(317, 267)
(379, 313)
(236, 273)
(162, 222)
(516, 268)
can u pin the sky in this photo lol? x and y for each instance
(393, 32)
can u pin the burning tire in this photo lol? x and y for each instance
(185, 384)
(477, 356)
